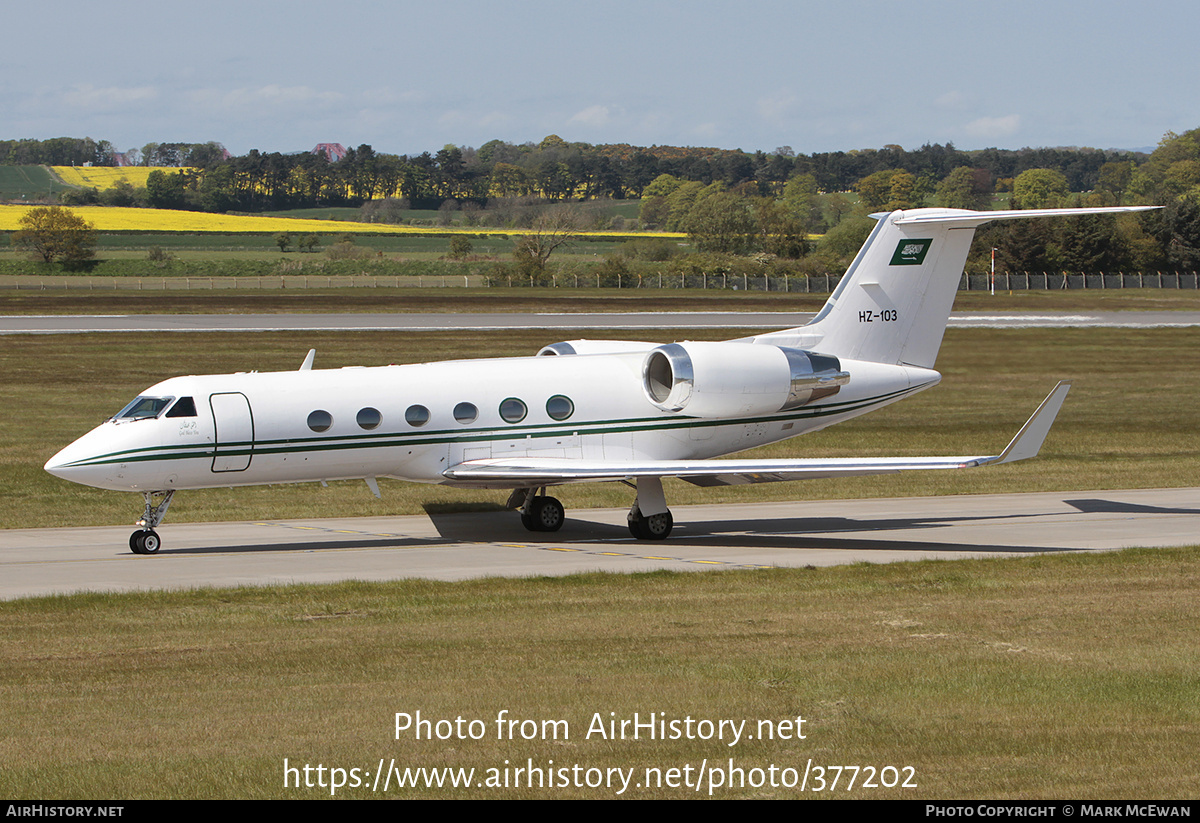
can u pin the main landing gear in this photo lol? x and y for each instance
(649, 518)
(539, 513)
(146, 540)
(652, 527)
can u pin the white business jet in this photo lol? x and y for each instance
(580, 411)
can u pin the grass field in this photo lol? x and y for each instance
(248, 301)
(486, 300)
(213, 246)
(343, 213)
(1069, 677)
(418, 244)
(28, 183)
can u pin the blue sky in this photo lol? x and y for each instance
(756, 74)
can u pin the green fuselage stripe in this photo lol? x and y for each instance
(444, 436)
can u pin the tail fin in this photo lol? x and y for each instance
(894, 301)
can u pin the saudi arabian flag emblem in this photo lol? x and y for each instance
(911, 252)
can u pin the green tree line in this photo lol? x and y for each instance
(729, 201)
(553, 169)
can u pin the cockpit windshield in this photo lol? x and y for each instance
(142, 408)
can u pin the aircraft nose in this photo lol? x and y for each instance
(78, 462)
(54, 464)
(63, 464)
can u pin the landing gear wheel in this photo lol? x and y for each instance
(144, 542)
(547, 514)
(658, 526)
(638, 529)
(539, 513)
(654, 527)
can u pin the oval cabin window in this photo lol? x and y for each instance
(369, 418)
(320, 420)
(559, 407)
(416, 416)
(513, 410)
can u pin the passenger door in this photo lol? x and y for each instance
(234, 432)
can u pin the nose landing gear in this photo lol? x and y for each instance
(146, 540)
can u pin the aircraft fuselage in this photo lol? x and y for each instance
(412, 422)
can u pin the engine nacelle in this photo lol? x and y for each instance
(732, 379)
(595, 347)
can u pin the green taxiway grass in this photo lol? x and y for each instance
(405, 299)
(1070, 676)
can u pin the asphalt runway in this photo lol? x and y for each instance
(461, 546)
(73, 324)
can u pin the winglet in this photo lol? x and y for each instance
(1029, 439)
(308, 360)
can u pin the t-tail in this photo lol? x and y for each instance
(894, 301)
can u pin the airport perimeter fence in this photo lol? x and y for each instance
(811, 284)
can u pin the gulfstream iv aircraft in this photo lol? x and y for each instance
(579, 411)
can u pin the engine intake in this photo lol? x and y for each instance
(732, 379)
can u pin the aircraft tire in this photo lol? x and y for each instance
(637, 528)
(527, 522)
(548, 514)
(654, 527)
(145, 542)
(658, 526)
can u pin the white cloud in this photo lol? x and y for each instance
(392, 97)
(493, 118)
(989, 127)
(592, 116)
(776, 106)
(950, 100)
(260, 99)
(110, 98)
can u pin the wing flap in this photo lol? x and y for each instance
(507, 472)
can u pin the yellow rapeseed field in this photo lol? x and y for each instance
(112, 219)
(105, 177)
(107, 218)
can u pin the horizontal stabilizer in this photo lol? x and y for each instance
(978, 218)
(523, 472)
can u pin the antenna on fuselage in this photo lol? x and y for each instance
(308, 360)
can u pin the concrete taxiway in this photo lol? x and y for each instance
(461, 546)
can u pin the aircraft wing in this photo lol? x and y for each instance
(507, 472)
